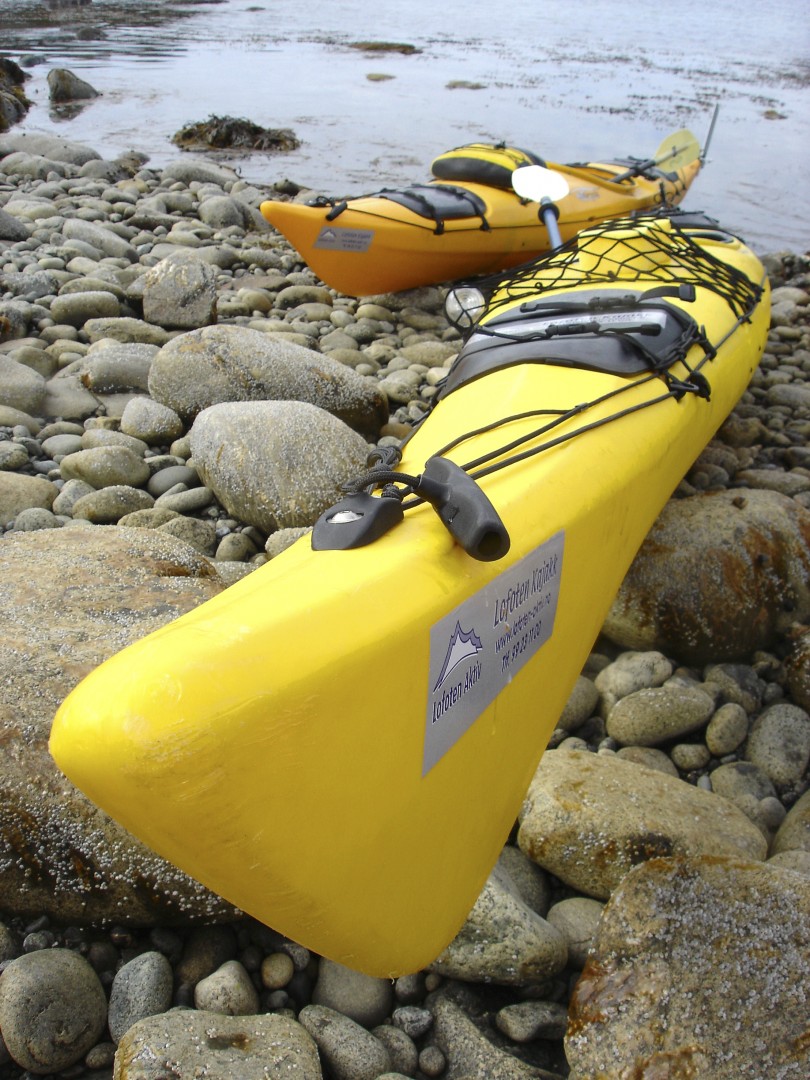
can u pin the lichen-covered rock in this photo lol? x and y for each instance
(219, 364)
(69, 602)
(719, 576)
(275, 464)
(700, 968)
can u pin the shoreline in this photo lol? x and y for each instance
(72, 310)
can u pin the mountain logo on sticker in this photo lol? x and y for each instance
(463, 645)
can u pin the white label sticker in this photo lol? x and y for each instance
(477, 648)
(332, 238)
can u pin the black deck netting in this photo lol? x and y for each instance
(655, 248)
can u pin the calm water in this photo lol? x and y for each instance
(596, 79)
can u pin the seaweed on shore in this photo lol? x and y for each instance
(232, 133)
(384, 46)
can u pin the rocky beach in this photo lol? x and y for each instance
(180, 398)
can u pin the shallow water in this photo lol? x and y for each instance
(570, 81)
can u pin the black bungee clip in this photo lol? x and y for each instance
(462, 507)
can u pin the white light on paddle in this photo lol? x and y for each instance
(535, 182)
(464, 306)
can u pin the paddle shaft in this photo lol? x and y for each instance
(550, 213)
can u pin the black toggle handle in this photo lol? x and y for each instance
(464, 509)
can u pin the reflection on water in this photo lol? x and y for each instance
(373, 118)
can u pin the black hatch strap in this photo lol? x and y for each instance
(435, 202)
(612, 331)
(439, 203)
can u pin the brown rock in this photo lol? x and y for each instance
(700, 969)
(70, 600)
(797, 669)
(719, 576)
(590, 818)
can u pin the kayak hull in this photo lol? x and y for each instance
(339, 743)
(376, 245)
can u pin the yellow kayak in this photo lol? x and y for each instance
(468, 220)
(340, 743)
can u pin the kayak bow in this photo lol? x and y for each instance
(340, 742)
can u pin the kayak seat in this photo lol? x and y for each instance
(483, 163)
(438, 203)
(616, 333)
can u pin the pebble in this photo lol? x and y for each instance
(101, 325)
(142, 987)
(727, 729)
(503, 940)
(655, 715)
(577, 920)
(794, 832)
(201, 535)
(108, 505)
(581, 704)
(186, 1043)
(348, 1050)
(276, 970)
(413, 1020)
(189, 501)
(738, 683)
(649, 756)
(151, 422)
(779, 744)
(12, 456)
(362, 998)
(180, 292)
(402, 1049)
(229, 990)
(529, 1020)
(165, 479)
(105, 466)
(53, 1009)
(629, 672)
